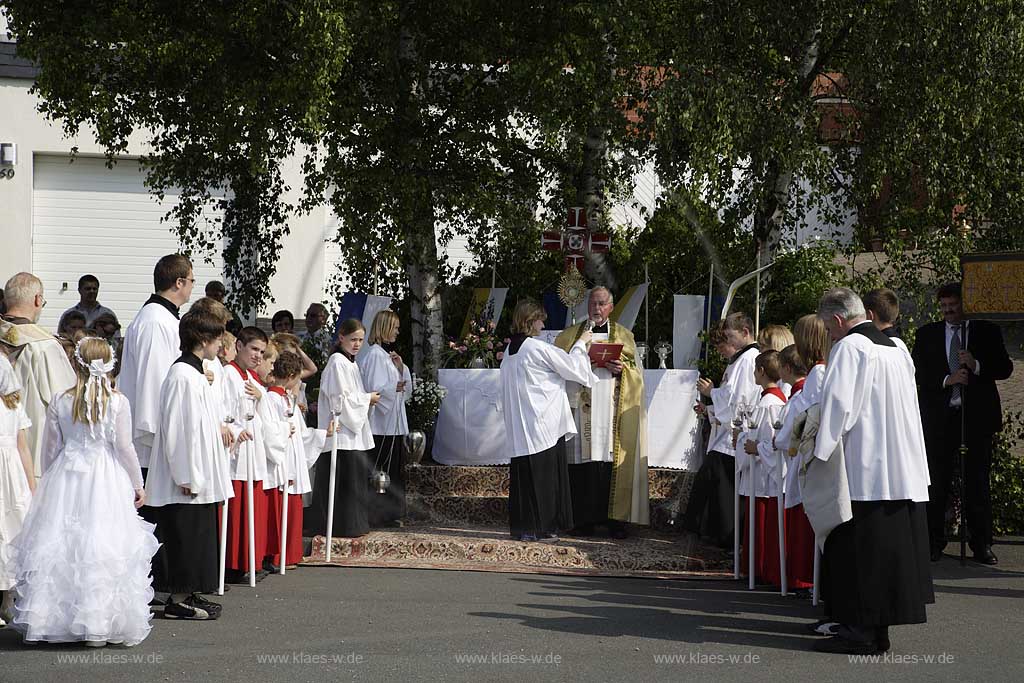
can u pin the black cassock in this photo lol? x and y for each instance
(351, 490)
(539, 500)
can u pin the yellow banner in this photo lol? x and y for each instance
(993, 285)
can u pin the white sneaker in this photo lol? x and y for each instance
(95, 643)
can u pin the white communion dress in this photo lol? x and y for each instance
(82, 560)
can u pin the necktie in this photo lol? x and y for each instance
(954, 363)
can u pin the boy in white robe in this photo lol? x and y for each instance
(759, 474)
(709, 512)
(243, 387)
(188, 476)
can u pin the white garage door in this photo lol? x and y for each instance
(87, 218)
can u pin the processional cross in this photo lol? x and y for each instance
(577, 239)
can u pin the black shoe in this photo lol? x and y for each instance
(823, 627)
(986, 556)
(269, 568)
(548, 538)
(227, 587)
(844, 646)
(582, 530)
(936, 555)
(617, 530)
(182, 610)
(882, 640)
(199, 602)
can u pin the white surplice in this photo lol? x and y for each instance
(766, 480)
(341, 377)
(595, 422)
(737, 385)
(187, 448)
(535, 403)
(304, 446)
(869, 403)
(805, 398)
(151, 344)
(379, 373)
(269, 433)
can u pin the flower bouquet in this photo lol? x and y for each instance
(480, 348)
(424, 404)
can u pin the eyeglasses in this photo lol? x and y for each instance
(190, 279)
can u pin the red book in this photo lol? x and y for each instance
(601, 353)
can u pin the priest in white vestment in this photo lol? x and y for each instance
(876, 569)
(538, 421)
(151, 345)
(608, 462)
(39, 360)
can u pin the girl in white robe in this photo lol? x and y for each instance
(538, 420)
(341, 384)
(17, 476)
(386, 374)
(82, 559)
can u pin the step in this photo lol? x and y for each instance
(489, 548)
(490, 481)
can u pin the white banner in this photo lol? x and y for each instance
(687, 323)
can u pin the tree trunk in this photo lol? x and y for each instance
(427, 323)
(418, 222)
(590, 195)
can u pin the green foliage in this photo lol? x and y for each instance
(799, 277)
(1008, 477)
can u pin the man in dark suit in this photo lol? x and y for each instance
(957, 371)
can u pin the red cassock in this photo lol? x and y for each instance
(766, 541)
(238, 526)
(799, 548)
(294, 539)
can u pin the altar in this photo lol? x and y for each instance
(471, 429)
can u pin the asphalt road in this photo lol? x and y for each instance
(330, 623)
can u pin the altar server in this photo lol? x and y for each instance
(82, 559)
(876, 566)
(342, 385)
(189, 475)
(304, 447)
(384, 371)
(150, 346)
(799, 535)
(758, 463)
(538, 422)
(710, 510)
(257, 445)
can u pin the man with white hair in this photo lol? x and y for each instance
(876, 570)
(608, 462)
(38, 358)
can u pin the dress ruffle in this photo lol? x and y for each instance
(83, 559)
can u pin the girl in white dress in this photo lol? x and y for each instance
(17, 476)
(385, 373)
(82, 559)
(342, 384)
